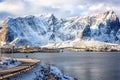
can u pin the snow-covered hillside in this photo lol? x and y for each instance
(44, 29)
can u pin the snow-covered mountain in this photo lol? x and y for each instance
(44, 29)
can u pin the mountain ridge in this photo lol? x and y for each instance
(44, 29)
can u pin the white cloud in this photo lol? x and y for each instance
(12, 7)
(100, 8)
(61, 8)
(55, 2)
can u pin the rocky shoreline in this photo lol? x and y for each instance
(25, 49)
(93, 49)
(51, 72)
(44, 71)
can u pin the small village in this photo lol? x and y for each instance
(33, 49)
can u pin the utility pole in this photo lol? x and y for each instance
(12, 52)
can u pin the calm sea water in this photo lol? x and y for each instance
(84, 66)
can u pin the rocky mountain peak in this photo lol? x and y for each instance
(41, 30)
(111, 15)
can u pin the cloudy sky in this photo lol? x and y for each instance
(61, 8)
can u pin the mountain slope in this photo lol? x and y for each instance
(44, 29)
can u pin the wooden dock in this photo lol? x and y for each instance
(26, 65)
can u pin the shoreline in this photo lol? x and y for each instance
(44, 71)
(25, 49)
(26, 65)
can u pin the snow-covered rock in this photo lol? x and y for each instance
(44, 72)
(8, 62)
(44, 29)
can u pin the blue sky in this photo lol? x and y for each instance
(61, 8)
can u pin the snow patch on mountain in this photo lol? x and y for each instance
(47, 29)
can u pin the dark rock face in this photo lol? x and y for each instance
(107, 30)
(32, 30)
(87, 31)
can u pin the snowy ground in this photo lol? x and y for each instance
(8, 62)
(83, 44)
(43, 72)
